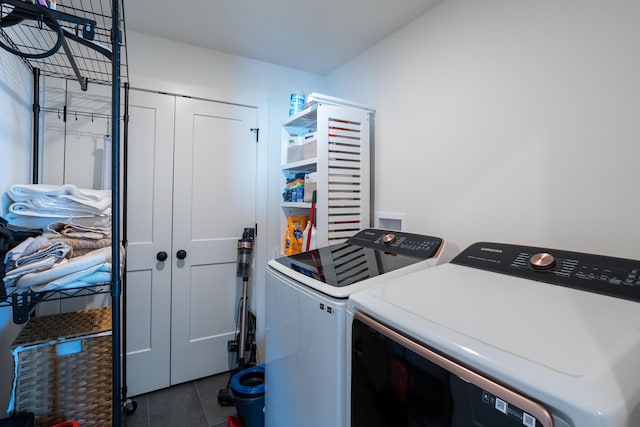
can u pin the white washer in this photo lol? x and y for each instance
(539, 337)
(306, 298)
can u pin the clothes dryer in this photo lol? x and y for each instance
(504, 335)
(306, 298)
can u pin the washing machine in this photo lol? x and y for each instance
(305, 331)
(503, 335)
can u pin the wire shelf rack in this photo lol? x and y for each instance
(85, 56)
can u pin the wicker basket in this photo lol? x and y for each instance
(64, 368)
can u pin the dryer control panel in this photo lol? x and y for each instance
(618, 277)
(397, 242)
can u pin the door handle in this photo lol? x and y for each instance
(162, 256)
(181, 254)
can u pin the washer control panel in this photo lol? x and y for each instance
(397, 242)
(618, 277)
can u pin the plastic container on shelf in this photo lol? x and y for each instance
(294, 234)
(310, 230)
(310, 185)
(294, 149)
(294, 191)
(309, 145)
(296, 102)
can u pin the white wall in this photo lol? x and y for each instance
(176, 68)
(16, 88)
(509, 121)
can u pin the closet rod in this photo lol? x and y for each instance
(76, 113)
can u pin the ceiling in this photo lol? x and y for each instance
(314, 36)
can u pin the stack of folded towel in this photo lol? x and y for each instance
(87, 270)
(81, 238)
(38, 205)
(33, 254)
(67, 256)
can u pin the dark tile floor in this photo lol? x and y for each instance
(193, 404)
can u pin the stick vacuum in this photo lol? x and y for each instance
(245, 247)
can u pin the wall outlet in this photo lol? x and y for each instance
(391, 221)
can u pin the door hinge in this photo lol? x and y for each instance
(257, 132)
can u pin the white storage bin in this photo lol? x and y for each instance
(294, 149)
(310, 185)
(310, 145)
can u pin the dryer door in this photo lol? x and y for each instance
(398, 381)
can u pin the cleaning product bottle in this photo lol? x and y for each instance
(287, 242)
(305, 236)
(296, 102)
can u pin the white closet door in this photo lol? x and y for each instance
(149, 224)
(214, 200)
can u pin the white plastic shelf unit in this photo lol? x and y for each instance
(342, 162)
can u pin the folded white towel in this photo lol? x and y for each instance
(15, 253)
(93, 275)
(12, 276)
(62, 269)
(62, 207)
(57, 251)
(68, 198)
(41, 204)
(36, 244)
(43, 222)
(32, 255)
(60, 212)
(26, 192)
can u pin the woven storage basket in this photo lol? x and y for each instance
(63, 368)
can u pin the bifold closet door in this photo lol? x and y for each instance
(149, 225)
(191, 193)
(214, 199)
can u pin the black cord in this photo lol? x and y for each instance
(21, 11)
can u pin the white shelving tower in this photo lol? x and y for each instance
(342, 160)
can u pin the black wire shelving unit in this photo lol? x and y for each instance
(84, 41)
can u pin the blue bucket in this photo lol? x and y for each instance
(247, 391)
